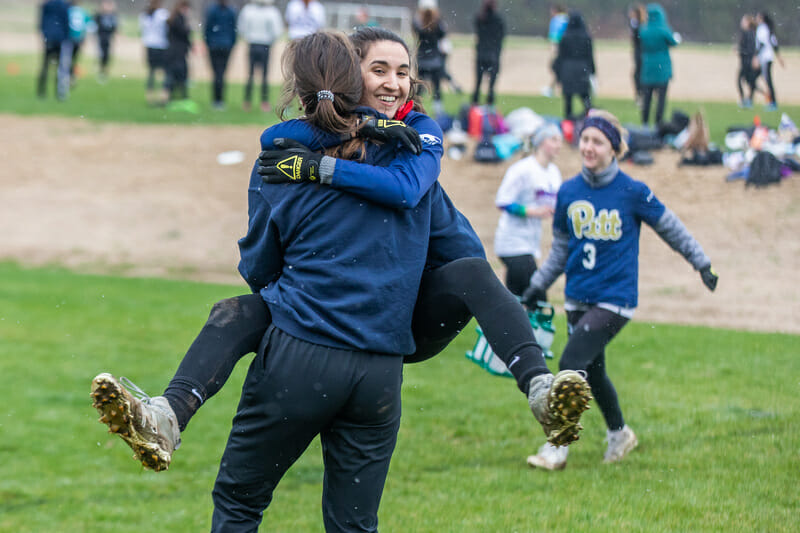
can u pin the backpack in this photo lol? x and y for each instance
(765, 169)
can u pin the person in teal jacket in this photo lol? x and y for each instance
(656, 38)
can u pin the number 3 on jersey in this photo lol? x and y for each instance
(590, 259)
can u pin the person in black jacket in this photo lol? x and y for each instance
(220, 36)
(106, 21)
(747, 51)
(575, 64)
(490, 30)
(179, 36)
(430, 30)
(54, 26)
(637, 16)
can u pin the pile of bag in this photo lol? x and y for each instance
(761, 155)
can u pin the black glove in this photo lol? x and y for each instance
(379, 129)
(709, 277)
(290, 162)
(532, 296)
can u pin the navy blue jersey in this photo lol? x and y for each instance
(603, 227)
(336, 269)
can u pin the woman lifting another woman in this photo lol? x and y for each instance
(455, 283)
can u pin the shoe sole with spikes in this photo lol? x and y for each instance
(569, 397)
(115, 406)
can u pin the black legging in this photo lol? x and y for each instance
(766, 71)
(589, 333)
(258, 58)
(647, 97)
(434, 76)
(748, 75)
(52, 53)
(488, 69)
(519, 269)
(585, 98)
(219, 63)
(449, 297)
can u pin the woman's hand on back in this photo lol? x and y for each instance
(383, 130)
(291, 161)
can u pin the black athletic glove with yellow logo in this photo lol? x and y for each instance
(293, 162)
(383, 130)
(710, 277)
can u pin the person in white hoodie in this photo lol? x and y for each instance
(304, 17)
(153, 27)
(527, 196)
(260, 24)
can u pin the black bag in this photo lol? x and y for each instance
(679, 122)
(642, 138)
(764, 170)
(486, 152)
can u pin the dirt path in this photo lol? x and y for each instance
(152, 200)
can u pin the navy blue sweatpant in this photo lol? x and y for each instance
(293, 392)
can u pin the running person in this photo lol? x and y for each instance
(596, 229)
(451, 292)
(527, 195)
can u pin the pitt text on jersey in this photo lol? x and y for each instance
(605, 225)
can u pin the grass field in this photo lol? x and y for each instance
(122, 100)
(716, 412)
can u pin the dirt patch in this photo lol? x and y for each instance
(152, 200)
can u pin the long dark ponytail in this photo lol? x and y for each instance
(323, 71)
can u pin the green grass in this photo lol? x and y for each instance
(716, 411)
(122, 100)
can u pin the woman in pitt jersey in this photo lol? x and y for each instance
(596, 227)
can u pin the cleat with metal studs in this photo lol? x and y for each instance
(148, 425)
(557, 403)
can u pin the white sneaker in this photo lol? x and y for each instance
(549, 457)
(620, 443)
(148, 425)
(547, 91)
(557, 403)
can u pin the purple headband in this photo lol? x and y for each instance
(606, 127)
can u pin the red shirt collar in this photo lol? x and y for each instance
(404, 110)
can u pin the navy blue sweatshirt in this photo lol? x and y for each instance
(338, 270)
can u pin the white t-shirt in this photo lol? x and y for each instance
(303, 20)
(259, 24)
(526, 183)
(765, 44)
(154, 29)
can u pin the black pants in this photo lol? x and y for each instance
(259, 59)
(519, 269)
(156, 60)
(488, 69)
(647, 97)
(589, 333)
(748, 75)
(434, 77)
(766, 71)
(637, 72)
(177, 77)
(104, 44)
(219, 64)
(295, 391)
(449, 297)
(586, 99)
(52, 53)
